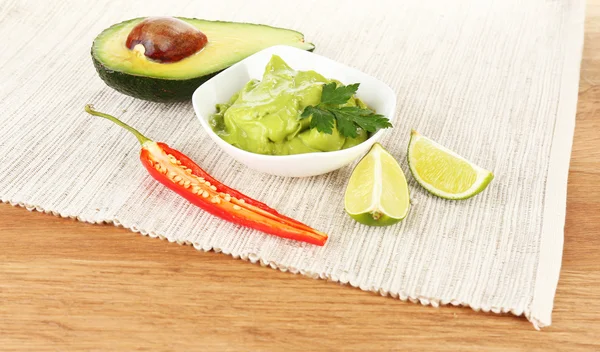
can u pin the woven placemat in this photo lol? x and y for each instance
(495, 81)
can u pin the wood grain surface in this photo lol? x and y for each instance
(66, 285)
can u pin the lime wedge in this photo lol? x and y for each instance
(377, 193)
(443, 172)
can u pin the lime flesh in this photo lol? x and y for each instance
(442, 172)
(377, 192)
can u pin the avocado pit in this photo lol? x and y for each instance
(165, 39)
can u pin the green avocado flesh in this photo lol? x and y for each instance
(264, 117)
(132, 73)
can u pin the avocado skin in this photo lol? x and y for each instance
(149, 88)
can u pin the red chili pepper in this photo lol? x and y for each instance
(178, 172)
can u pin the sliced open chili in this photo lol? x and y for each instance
(178, 172)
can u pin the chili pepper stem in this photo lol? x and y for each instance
(89, 108)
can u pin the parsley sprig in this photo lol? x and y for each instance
(348, 118)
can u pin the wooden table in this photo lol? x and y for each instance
(104, 288)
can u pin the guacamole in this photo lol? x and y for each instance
(264, 117)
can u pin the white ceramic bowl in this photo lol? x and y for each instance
(221, 87)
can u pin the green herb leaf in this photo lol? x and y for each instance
(364, 118)
(372, 122)
(334, 95)
(321, 119)
(346, 127)
(348, 118)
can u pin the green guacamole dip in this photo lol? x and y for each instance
(264, 117)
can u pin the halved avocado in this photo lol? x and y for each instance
(132, 73)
